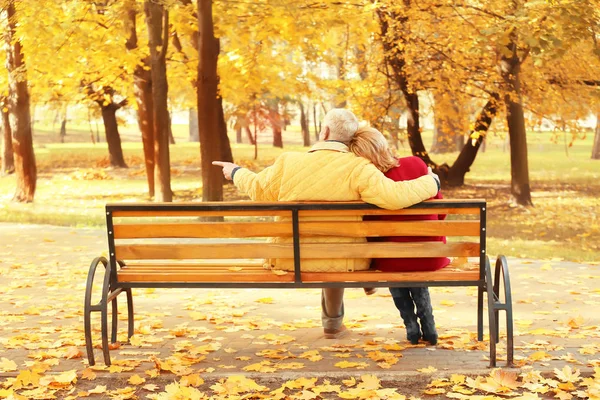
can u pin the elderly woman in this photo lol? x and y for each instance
(330, 172)
(372, 145)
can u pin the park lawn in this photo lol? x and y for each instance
(75, 183)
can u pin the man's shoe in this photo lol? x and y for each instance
(336, 333)
(370, 290)
(432, 338)
(413, 333)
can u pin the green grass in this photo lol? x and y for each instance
(74, 185)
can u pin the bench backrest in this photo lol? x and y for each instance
(199, 237)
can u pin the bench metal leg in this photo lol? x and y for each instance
(491, 312)
(480, 291)
(129, 313)
(104, 315)
(88, 308)
(502, 266)
(115, 320)
(109, 295)
(495, 305)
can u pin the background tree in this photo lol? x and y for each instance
(19, 111)
(210, 117)
(8, 160)
(104, 97)
(142, 81)
(157, 21)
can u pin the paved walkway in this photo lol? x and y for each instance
(272, 332)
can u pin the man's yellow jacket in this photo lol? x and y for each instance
(330, 172)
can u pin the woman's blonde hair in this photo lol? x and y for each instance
(369, 143)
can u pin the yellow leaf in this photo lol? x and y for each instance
(265, 300)
(136, 380)
(7, 365)
(349, 364)
(457, 379)
(88, 374)
(263, 366)
(66, 377)
(150, 387)
(567, 374)
(300, 383)
(99, 389)
(312, 355)
(448, 303)
(434, 391)
(175, 391)
(369, 382)
(279, 272)
(192, 380)
(72, 353)
(428, 370)
(349, 382)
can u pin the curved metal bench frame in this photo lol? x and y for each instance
(109, 295)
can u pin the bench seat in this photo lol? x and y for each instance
(224, 245)
(255, 272)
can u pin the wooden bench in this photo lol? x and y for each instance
(182, 246)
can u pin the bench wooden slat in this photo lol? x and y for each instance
(185, 213)
(196, 277)
(285, 213)
(358, 276)
(189, 267)
(185, 276)
(405, 211)
(308, 250)
(212, 264)
(284, 229)
(202, 230)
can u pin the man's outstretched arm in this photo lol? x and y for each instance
(375, 188)
(262, 186)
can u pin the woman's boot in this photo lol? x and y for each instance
(405, 305)
(422, 301)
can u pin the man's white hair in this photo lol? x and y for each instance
(342, 124)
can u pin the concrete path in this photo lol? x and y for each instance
(276, 333)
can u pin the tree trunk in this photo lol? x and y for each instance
(276, 126)
(193, 121)
(145, 113)
(8, 159)
(249, 135)
(226, 154)
(157, 20)
(208, 104)
(238, 134)
(394, 54)
(455, 175)
(449, 126)
(171, 137)
(20, 117)
(304, 126)
(111, 130)
(519, 169)
(596, 148)
(317, 130)
(142, 87)
(63, 130)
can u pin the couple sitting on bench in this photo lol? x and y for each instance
(348, 164)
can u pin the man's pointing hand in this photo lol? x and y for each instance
(227, 168)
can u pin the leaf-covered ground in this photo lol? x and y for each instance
(234, 344)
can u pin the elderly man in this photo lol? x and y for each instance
(330, 172)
